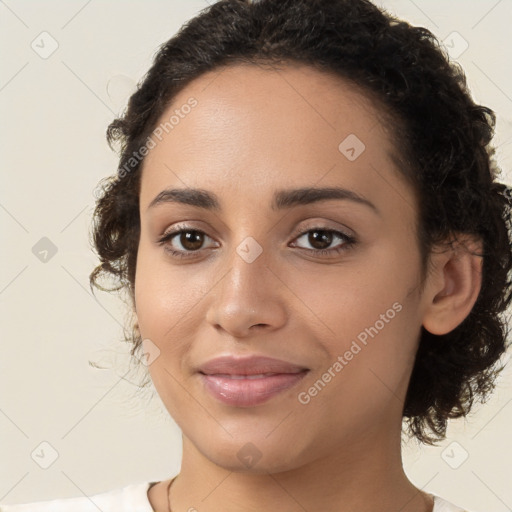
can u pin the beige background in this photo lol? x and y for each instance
(54, 110)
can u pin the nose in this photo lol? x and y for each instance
(249, 297)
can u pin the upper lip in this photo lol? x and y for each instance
(248, 365)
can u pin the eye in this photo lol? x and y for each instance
(321, 238)
(182, 242)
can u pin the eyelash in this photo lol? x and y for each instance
(349, 242)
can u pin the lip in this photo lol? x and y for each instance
(250, 380)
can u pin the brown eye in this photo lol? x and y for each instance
(320, 239)
(191, 240)
(183, 242)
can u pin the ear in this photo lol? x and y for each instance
(453, 284)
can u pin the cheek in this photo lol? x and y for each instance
(367, 315)
(344, 301)
(167, 300)
(165, 295)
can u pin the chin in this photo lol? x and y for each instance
(264, 466)
(254, 457)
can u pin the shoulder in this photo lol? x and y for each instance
(441, 505)
(132, 498)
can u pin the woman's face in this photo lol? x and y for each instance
(327, 285)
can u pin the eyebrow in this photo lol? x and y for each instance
(283, 199)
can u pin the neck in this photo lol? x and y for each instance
(366, 475)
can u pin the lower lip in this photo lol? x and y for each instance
(249, 392)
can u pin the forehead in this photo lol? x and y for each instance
(292, 99)
(253, 126)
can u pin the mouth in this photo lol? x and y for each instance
(249, 381)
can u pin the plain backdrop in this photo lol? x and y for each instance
(67, 428)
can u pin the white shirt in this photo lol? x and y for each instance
(132, 498)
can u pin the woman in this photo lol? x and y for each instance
(307, 217)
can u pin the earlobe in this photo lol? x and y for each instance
(453, 286)
(135, 322)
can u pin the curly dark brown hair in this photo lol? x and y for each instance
(442, 136)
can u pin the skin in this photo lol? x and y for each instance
(254, 131)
